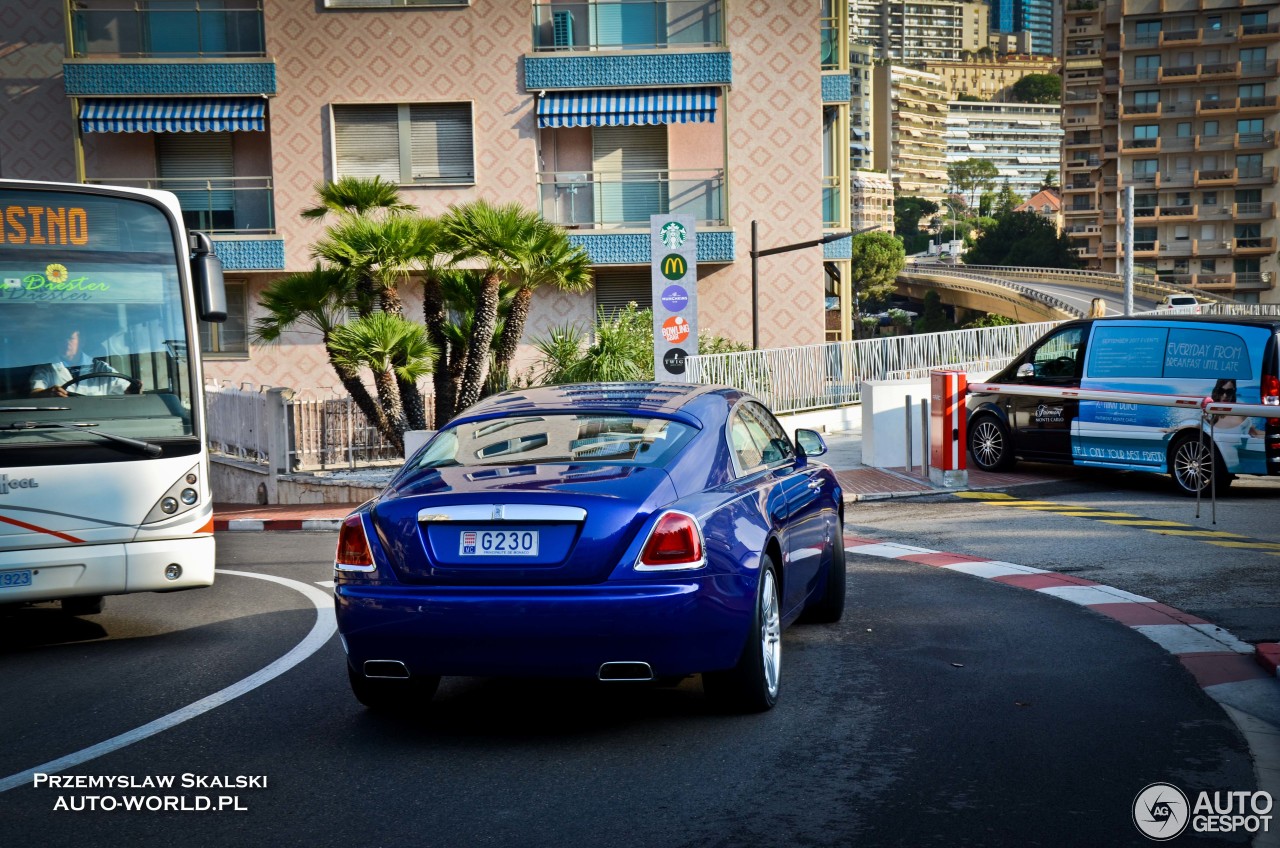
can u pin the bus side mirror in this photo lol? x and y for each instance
(206, 273)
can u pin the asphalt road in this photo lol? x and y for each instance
(943, 710)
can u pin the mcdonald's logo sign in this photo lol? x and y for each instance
(674, 266)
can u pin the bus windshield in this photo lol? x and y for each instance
(93, 331)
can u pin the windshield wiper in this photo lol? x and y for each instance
(137, 444)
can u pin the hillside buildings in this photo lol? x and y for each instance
(1179, 101)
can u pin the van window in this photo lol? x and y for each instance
(1059, 355)
(1206, 355)
(1127, 352)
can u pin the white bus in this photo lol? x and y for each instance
(104, 473)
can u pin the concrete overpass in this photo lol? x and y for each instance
(1033, 294)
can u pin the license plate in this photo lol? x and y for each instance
(13, 579)
(498, 543)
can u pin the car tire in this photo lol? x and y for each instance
(84, 605)
(829, 608)
(753, 684)
(392, 695)
(1190, 469)
(990, 444)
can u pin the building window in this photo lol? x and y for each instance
(618, 287)
(1210, 128)
(230, 338)
(1208, 266)
(407, 144)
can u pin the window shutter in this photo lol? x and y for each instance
(200, 166)
(632, 165)
(616, 287)
(367, 141)
(440, 141)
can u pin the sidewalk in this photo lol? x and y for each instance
(844, 455)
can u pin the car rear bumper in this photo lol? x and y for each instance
(676, 626)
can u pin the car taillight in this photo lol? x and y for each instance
(1271, 395)
(353, 547)
(675, 542)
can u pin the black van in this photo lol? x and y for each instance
(1227, 359)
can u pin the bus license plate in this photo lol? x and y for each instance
(498, 543)
(14, 579)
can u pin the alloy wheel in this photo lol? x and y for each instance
(988, 443)
(770, 633)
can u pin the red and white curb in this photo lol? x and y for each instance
(233, 524)
(1211, 654)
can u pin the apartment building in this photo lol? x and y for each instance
(1037, 18)
(872, 194)
(922, 30)
(597, 114)
(910, 130)
(1023, 140)
(989, 79)
(862, 59)
(1180, 101)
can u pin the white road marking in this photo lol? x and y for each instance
(992, 569)
(328, 584)
(1087, 596)
(1185, 639)
(324, 628)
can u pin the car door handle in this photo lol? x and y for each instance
(815, 484)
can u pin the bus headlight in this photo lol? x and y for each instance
(181, 497)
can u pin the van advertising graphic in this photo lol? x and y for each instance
(1213, 363)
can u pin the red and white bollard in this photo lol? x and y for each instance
(947, 414)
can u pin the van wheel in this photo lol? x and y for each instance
(990, 445)
(1193, 465)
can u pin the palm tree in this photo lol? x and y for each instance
(459, 290)
(380, 253)
(397, 352)
(548, 258)
(497, 236)
(356, 196)
(320, 299)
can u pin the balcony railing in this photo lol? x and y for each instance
(628, 25)
(169, 30)
(239, 205)
(833, 200)
(628, 198)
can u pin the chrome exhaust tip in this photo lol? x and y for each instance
(386, 669)
(627, 671)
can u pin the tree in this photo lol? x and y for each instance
(319, 300)
(1023, 238)
(497, 236)
(985, 53)
(934, 319)
(877, 258)
(973, 176)
(379, 253)
(397, 352)
(1007, 200)
(1050, 180)
(1037, 88)
(356, 196)
(549, 258)
(907, 212)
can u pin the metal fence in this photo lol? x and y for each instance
(238, 423)
(817, 376)
(314, 433)
(333, 433)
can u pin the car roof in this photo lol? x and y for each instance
(1266, 321)
(675, 400)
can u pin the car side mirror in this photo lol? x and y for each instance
(810, 443)
(1026, 370)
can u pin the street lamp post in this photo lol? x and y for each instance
(756, 253)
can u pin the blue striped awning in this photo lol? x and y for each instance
(627, 107)
(223, 114)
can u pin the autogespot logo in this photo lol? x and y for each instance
(1161, 812)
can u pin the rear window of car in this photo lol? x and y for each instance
(1182, 301)
(1159, 352)
(561, 438)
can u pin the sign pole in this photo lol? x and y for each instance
(673, 263)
